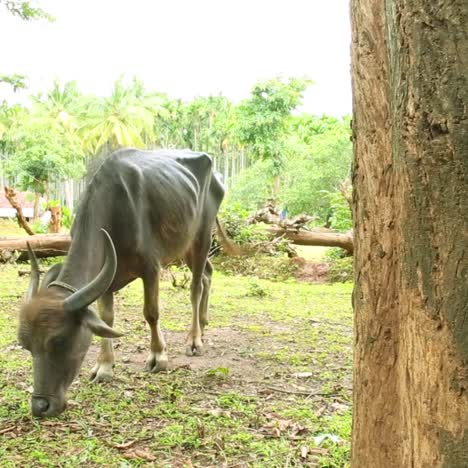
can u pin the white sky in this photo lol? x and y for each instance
(185, 48)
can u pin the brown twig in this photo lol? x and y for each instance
(296, 392)
(7, 429)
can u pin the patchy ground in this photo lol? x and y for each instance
(272, 389)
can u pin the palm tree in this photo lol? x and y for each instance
(125, 118)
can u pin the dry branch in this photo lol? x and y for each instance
(322, 238)
(10, 194)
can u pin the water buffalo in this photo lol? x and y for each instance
(140, 211)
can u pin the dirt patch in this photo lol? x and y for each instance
(312, 272)
(226, 348)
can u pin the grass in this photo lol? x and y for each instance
(272, 389)
(10, 228)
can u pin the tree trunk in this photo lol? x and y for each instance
(37, 201)
(226, 169)
(276, 185)
(233, 170)
(410, 133)
(69, 197)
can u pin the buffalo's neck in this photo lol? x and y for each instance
(84, 260)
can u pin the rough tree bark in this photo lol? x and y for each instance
(410, 132)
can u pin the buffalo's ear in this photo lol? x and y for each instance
(98, 326)
(51, 275)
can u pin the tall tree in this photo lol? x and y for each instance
(410, 127)
(125, 118)
(40, 152)
(262, 120)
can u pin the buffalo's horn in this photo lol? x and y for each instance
(99, 285)
(35, 274)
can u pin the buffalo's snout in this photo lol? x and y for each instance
(39, 406)
(43, 407)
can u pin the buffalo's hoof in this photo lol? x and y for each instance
(194, 350)
(102, 373)
(156, 362)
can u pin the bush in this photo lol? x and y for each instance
(340, 218)
(235, 220)
(341, 270)
(260, 266)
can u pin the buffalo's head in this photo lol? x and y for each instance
(56, 327)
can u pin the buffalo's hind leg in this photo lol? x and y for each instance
(204, 303)
(157, 359)
(103, 370)
(199, 290)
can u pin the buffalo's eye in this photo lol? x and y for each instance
(24, 344)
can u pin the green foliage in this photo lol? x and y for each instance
(262, 119)
(40, 151)
(235, 221)
(340, 218)
(24, 10)
(67, 217)
(276, 268)
(126, 118)
(316, 165)
(256, 289)
(253, 186)
(39, 227)
(15, 80)
(341, 266)
(256, 144)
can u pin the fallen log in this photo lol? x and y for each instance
(322, 238)
(44, 245)
(55, 245)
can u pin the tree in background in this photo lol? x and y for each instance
(40, 152)
(262, 120)
(319, 159)
(24, 10)
(410, 127)
(250, 143)
(125, 118)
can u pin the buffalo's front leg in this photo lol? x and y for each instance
(103, 370)
(157, 359)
